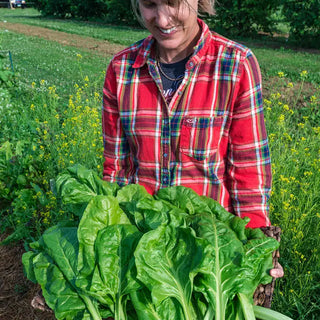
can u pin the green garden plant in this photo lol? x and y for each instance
(292, 118)
(6, 75)
(134, 256)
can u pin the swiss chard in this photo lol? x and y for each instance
(175, 255)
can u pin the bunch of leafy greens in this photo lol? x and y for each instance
(175, 255)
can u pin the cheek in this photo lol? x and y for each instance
(146, 14)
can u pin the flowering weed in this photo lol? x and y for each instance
(293, 124)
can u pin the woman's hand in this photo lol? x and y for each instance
(277, 271)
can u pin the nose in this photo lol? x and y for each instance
(163, 16)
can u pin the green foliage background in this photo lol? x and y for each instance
(232, 17)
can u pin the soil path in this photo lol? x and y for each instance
(16, 292)
(98, 46)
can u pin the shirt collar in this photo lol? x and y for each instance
(146, 50)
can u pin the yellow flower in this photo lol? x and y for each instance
(290, 85)
(280, 74)
(304, 74)
(79, 56)
(33, 84)
(32, 106)
(313, 99)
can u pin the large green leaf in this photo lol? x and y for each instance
(234, 268)
(55, 269)
(257, 262)
(217, 209)
(147, 310)
(184, 198)
(128, 197)
(79, 185)
(101, 211)
(115, 273)
(223, 277)
(167, 260)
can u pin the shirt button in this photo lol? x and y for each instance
(191, 64)
(165, 155)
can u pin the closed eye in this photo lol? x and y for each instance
(147, 4)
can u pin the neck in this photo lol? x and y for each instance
(171, 56)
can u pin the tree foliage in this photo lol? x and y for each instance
(304, 19)
(112, 11)
(243, 17)
(233, 17)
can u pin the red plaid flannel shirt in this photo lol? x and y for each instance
(211, 137)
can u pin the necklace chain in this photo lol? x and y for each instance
(169, 78)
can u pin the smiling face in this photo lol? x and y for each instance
(173, 25)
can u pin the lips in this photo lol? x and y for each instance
(168, 31)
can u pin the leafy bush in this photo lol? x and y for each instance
(92, 8)
(112, 11)
(37, 142)
(28, 206)
(59, 8)
(243, 17)
(6, 75)
(303, 17)
(119, 12)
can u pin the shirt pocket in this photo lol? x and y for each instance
(200, 137)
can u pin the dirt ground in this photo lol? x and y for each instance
(16, 292)
(98, 46)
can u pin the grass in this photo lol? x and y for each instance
(35, 59)
(115, 34)
(51, 120)
(271, 60)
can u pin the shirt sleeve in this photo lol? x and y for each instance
(249, 167)
(118, 165)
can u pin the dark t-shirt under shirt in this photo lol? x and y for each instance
(174, 71)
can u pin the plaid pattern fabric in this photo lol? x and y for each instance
(211, 137)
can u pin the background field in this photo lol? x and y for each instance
(51, 119)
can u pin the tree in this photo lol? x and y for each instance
(244, 17)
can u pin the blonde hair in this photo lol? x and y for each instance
(205, 7)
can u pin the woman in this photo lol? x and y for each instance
(184, 107)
